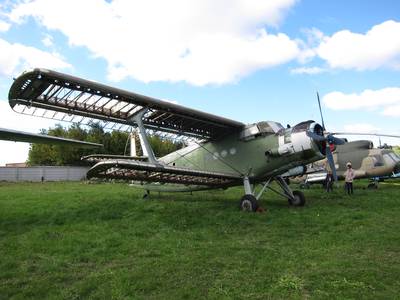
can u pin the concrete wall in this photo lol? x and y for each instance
(49, 173)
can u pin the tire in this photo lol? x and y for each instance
(372, 186)
(248, 203)
(300, 200)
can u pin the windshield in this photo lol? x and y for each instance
(269, 127)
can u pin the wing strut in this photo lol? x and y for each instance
(146, 147)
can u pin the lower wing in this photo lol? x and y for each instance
(149, 172)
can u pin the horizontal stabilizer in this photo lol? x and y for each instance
(27, 137)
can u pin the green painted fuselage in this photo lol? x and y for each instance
(259, 157)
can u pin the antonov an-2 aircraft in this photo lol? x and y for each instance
(223, 152)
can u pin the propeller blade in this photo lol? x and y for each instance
(376, 134)
(334, 140)
(331, 162)
(315, 136)
(320, 111)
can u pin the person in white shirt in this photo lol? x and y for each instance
(349, 177)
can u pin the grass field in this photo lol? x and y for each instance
(102, 241)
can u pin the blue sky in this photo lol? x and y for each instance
(247, 60)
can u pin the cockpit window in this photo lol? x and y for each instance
(378, 160)
(269, 127)
(395, 157)
(262, 128)
(302, 126)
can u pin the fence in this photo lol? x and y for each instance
(47, 173)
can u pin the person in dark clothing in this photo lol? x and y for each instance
(329, 181)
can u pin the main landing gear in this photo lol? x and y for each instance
(249, 201)
(373, 185)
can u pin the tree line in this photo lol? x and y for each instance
(115, 142)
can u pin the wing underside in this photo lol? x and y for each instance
(54, 95)
(148, 172)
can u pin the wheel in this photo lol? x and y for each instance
(299, 199)
(146, 194)
(248, 203)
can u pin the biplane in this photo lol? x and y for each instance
(221, 152)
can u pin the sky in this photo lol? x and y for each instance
(247, 60)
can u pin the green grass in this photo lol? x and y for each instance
(102, 241)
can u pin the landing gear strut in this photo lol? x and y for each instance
(373, 185)
(249, 201)
(295, 198)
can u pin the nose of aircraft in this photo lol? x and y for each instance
(316, 134)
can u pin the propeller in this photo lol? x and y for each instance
(329, 140)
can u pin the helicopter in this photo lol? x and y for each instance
(367, 162)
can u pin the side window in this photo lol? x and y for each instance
(394, 157)
(378, 160)
(288, 137)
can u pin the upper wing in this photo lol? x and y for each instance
(22, 136)
(59, 96)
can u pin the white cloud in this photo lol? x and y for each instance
(309, 46)
(16, 57)
(379, 47)
(308, 70)
(4, 26)
(47, 40)
(12, 151)
(387, 100)
(200, 42)
(392, 110)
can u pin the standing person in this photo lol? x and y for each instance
(329, 181)
(349, 176)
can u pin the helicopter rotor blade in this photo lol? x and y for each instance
(373, 134)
